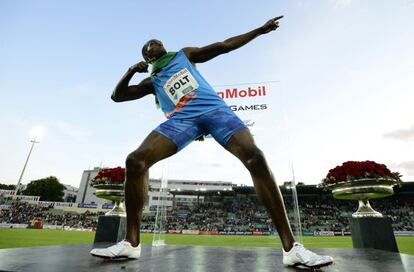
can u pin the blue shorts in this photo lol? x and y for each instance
(220, 123)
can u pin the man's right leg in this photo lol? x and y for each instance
(154, 148)
(164, 141)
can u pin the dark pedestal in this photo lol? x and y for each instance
(373, 232)
(110, 229)
(174, 258)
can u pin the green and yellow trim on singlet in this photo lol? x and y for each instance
(162, 62)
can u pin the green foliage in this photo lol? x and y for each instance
(49, 189)
(7, 186)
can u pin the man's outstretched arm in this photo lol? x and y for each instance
(124, 92)
(206, 53)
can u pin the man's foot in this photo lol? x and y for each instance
(299, 255)
(122, 249)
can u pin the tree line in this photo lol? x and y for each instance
(49, 189)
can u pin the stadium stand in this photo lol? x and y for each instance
(235, 211)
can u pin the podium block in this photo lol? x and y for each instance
(111, 229)
(373, 232)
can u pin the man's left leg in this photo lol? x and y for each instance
(242, 145)
(228, 130)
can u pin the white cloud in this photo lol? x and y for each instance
(405, 168)
(401, 134)
(408, 166)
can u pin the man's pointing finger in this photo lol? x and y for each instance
(277, 18)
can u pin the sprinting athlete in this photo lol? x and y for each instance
(194, 109)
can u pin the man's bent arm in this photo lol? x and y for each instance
(203, 54)
(124, 92)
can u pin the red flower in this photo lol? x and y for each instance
(107, 176)
(353, 170)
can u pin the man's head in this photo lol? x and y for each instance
(153, 50)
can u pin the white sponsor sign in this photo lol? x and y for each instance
(254, 103)
(54, 227)
(404, 233)
(324, 233)
(190, 232)
(17, 226)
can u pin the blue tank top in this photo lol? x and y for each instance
(181, 90)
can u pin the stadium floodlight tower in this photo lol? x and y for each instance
(36, 133)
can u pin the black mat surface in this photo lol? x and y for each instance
(172, 258)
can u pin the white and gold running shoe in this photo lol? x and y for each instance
(299, 255)
(122, 249)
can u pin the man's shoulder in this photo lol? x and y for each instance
(187, 51)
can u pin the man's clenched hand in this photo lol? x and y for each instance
(140, 67)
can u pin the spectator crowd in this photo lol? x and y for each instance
(24, 213)
(238, 214)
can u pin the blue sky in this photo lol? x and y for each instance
(345, 70)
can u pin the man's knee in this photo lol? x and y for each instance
(255, 159)
(136, 163)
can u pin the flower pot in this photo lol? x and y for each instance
(115, 193)
(363, 190)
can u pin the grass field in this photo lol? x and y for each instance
(10, 238)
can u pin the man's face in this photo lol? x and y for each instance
(153, 50)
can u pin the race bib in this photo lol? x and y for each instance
(179, 85)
